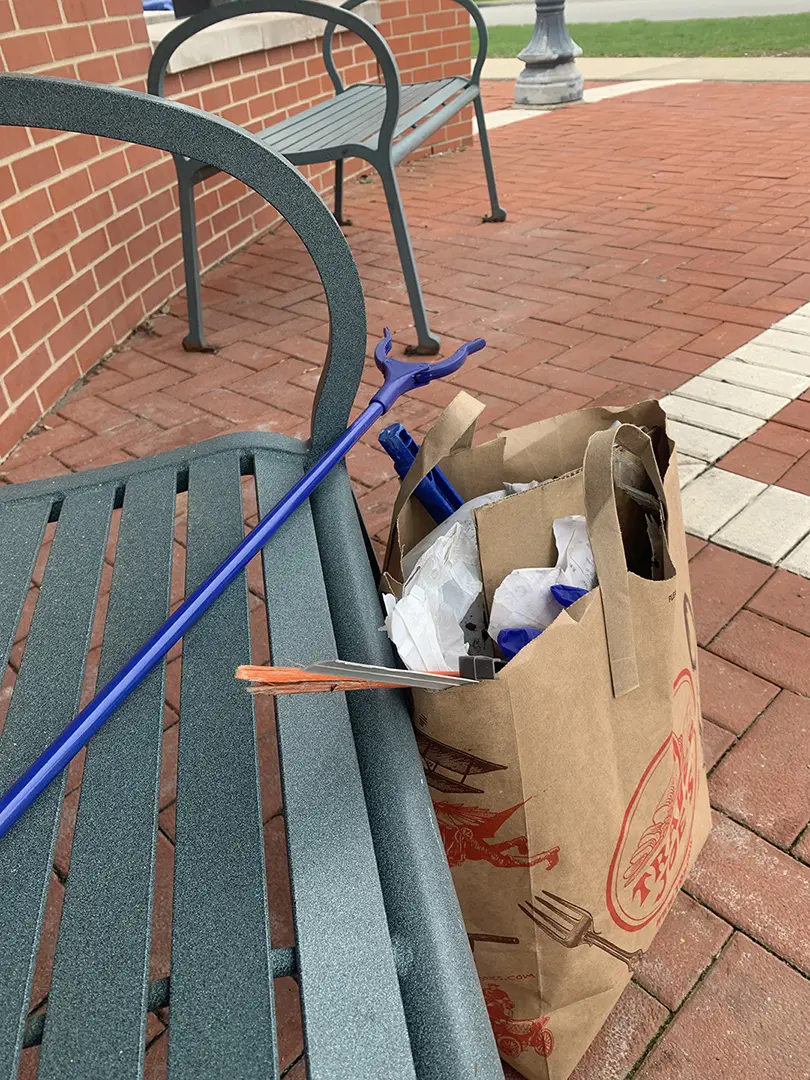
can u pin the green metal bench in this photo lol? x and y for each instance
(386, 978)
(382, 123)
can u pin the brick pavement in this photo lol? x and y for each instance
(648, 236)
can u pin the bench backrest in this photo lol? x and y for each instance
(70, 105)
(331, 15)
(468, 5)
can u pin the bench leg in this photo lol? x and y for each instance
(195, 339)
(498, 212)
(428, 344)
(339, 218)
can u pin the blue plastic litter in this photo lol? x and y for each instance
(510, 642)
(158, 5)
(435, 492)
(566, 595)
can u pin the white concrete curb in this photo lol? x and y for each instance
(716, 411)
(503, 117)
(682, 68)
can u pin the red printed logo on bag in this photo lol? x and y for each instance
(652, 852)
(515, 1037)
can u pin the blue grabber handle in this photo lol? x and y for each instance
(434, 492)
(404, 375)
(400, 377)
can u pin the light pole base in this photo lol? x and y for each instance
(544, 86)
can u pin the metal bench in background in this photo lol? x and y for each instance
(381, 122)
(386, 978)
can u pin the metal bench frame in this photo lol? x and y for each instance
(387, 983)
(382, 124)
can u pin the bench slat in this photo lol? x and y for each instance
(222, 1009)
(347, 99)
(45, 699)
(346, 961)
(417, 110)
(354, 117)
(21, 530)
(97, 1003)
(439, 986)
(336, 127)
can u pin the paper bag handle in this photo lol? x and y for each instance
(453, 430)
(604, 532)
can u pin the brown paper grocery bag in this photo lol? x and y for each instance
(570, 792)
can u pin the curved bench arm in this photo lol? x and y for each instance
(372, 37)
(483, 37)
(124, 115)
(328, 59)
(469, 5)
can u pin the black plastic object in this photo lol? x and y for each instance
(479, 667)
(184, 8)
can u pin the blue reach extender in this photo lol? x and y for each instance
(435, 492)
(400, 377)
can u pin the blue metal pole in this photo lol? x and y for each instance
(400, 377)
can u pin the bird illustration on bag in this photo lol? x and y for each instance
(468, 833)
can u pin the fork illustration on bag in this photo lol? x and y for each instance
(571, 926)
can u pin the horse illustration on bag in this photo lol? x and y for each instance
(468, 832)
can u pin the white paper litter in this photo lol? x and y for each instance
(518, 489)
(441, 606)
(523, 599)
(464, 513)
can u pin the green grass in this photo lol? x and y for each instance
(767, 35)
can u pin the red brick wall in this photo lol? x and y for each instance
(89, 232)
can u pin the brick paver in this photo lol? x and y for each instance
(764, 781)
(716, 740)
(648, 236)
(686, 946)
(750, 1010)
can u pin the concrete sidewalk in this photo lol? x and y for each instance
(710, 69)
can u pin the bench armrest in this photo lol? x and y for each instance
(483, 36)
(70, 105)
(328, 34)
(331, 15)
(469, 5)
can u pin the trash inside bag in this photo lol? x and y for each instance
(463, 514)
(566, 595)
(510, 642)
(440, 614)
(525, 599)
(518, 489)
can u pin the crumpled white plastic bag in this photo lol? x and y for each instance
(441, 603)
(463, 514)
(523, 599)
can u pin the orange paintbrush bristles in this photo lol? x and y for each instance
(284, 680)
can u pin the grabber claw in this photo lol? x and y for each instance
(404, 375)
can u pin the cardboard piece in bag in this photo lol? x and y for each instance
(570, 792)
